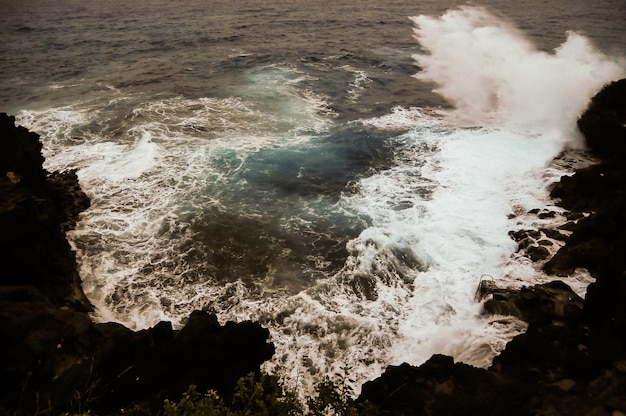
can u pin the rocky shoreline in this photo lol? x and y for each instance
(571, 360)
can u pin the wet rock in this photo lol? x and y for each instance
(546, 215)
(537, 253)
(553, 300)
(524, 234)
(604, 122)
(573, 216)
(554, 234)
(599, 186)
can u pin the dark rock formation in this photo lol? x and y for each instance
(534, 243)
(572, 358)
(21, 159)
(553, 300)
(442, 387)
(35, 210)
(53, 358)
(598, 242)
(604, 122)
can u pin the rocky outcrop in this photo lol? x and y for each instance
(35, 210)
(442, 387)
(603, 124)
(549, 301)
(53, 357)
(572, 358)
(598, 242)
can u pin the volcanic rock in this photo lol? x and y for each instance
(550, 301)
(604, 122)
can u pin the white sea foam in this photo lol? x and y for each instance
(149, 178)
(358, 85)
(493, 75)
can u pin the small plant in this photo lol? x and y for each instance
(196, 404)
(254, 396)
(334, 397)
(264, 395)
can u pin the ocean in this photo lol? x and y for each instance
(344, 172)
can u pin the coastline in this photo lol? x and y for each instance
(571, 360)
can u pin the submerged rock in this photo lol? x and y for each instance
(550, 301)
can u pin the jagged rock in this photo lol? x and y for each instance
(537, 253)
(573, 216)
(553, 300)
(604, 122)
(35, 212)
(546, 353)
(524, 234)
(548, 214)
(21, 159)
(598, 243)
(442, 387)
(152, 365)
(600, 186)
(554, 234)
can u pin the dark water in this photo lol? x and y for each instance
(279, 161)
(199, 48)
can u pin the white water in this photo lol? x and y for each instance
(443, 206)
(493, 76)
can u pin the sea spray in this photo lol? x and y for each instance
(493, 75)
(514, 111)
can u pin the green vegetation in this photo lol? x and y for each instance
(264, 395)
